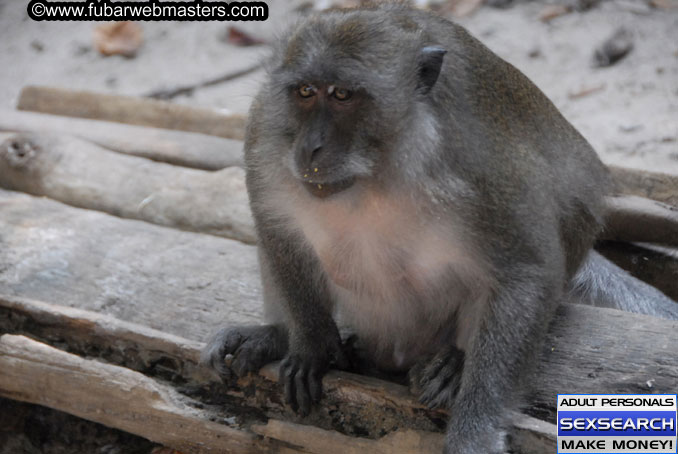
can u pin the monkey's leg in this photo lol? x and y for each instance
(600, 282)
(239, 350)
(504, 343)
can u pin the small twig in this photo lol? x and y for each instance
(172, 93)
(586, 91)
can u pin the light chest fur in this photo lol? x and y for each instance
(400, 278)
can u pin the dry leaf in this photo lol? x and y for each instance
(118, 38)
(552, 11)
(664, 4)
(239, 37)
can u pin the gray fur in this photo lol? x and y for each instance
(601, 283)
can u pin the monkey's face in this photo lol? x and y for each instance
(350, 94)
(328, 153)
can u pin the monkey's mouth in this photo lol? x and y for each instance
(322, 190)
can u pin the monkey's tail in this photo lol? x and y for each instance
(601, 283)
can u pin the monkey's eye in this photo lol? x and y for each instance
(342, 94)
(307, 90)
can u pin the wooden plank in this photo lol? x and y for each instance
(639, 219)
(592, 350)
(662, 187)
(181, 282)
(632, 219)
(35, 429)
(322, 441)
(130, 110)
(129, 401)
(117, 397)
(369, 406)
(85, 175)
(174, 147)
(101, 335)
(532, 436)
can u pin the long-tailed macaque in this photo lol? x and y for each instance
(407, 181)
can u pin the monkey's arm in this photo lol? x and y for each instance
(305, 304)
(302, 330)
(510, 329)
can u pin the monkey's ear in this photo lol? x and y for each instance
(430, 62)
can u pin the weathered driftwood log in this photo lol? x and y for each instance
(114, 396)
(528, 436)
(186, 284)
(638, 219)
(374, 406)
(181, 282)
(662, 187)
(82, 174)
(175, 147)
(645, 208)
(130, 110)
(592, 350)
(369, 406)
(633, 219)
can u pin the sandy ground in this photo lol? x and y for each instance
(631, 118)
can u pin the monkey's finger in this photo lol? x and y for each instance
(303, 396)
(441, 390)
(247, 358)
(213, 356)
(287, 373)
(341, 360)
(432, 369)
(315, 384)
(218, 363)
(421, 374)
(231, 340)
(445, 398)
(242, 364)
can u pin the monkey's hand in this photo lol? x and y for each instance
(436, 380)
(302, 369)
(235, 351)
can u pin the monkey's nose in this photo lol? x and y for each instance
(309, 157)
(315, 154)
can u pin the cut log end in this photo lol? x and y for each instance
(18, 151)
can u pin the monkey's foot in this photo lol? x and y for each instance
(236, 351)
(437, 379)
